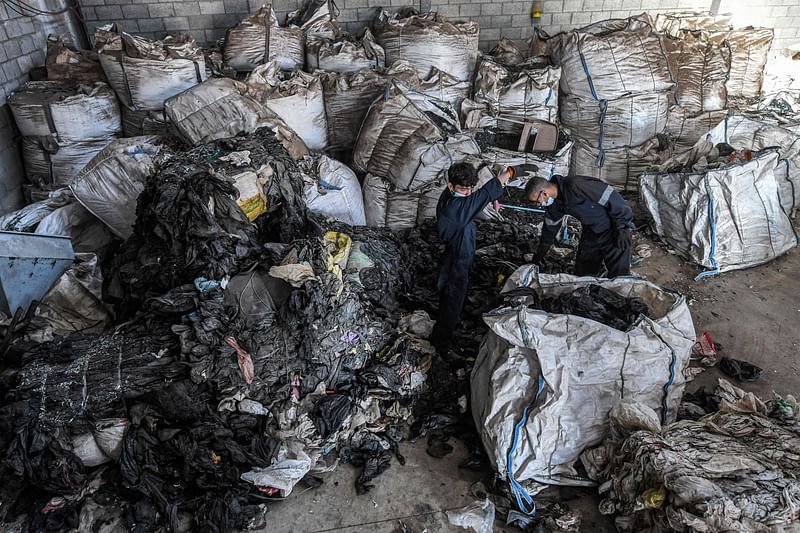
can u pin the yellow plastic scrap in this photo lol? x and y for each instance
(654, 498)
(339, 246)
(500, 279)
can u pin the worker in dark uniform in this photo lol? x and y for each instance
(605, 217)
(457, 208)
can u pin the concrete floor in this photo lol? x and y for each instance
(753, 314)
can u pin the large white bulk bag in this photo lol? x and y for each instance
(66, 109)
(348, 97)
(136, 123)
(109, 186)
(700, 67)
(428, 41)
(410, 139)
(606, 60)
(757, 133)
(215, 109)
(528, 91)
(626, 121)
(347, 54)
(749, 53)
(88, 235)
(64, 62)
(316, 19)
(27, 218)
(259, 39)
(51, 162)
(444, 87)
(145, 73)
(543, 384)
(333, 190)
(387, 206)
(725, 218)
(685, 128)
(676, 24)
(297, 98)
(620, 167)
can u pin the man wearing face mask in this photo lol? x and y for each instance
(458, 206)
(605, 217)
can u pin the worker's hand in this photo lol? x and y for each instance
(506, 175)
(623, 238)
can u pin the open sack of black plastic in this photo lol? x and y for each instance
(544, 382)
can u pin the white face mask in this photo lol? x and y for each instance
(458, 194)
(548, 202)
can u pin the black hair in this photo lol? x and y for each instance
(462, 174)
(536, 185)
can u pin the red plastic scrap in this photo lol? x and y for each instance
(705, 350)
(245, 361)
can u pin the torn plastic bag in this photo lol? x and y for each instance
(103, 444)
(749, 49)
(316, 18)
(74, 304)
(685, 129)
(295, 274)
(543, 383)
(216, 109)
(524, 92)
(627, 121)
(728, 471)
(477, 517)
(387, 206)
(257, 295)
(447, 88)
(620, 167)
(676, 24)
(63, 62)
(52, 162)
(610, 59)
(348, 97)
(145, 73)
(700, 67)
(725, 218)
(506, 53)
(346, 54)
(410, 139)
(27, 218)
(283, 474)
(259, 39)
(296, 98)
(136, 123)
(87, 233)
(110, 184)
(333, 190)
(429, 40)
(66, 109)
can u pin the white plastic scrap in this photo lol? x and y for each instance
(477, 516)
(283, 474)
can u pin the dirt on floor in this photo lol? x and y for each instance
(750, 314)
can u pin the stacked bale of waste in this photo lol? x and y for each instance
(721, 206)
(296, 97)
(615, 83)
(730, 470)
(259, 39)
(348, 97)
(406, 143)
(63, 125)
(145, 73)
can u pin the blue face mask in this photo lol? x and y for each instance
(458, 194)
(548, 202)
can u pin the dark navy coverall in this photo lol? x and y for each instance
(454, 224)
(602, 212)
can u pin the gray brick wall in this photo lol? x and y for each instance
(207, 20)
(23, 45)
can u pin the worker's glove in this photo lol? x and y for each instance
(623, 238)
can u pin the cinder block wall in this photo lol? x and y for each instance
(24, 42)
(207, 20)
